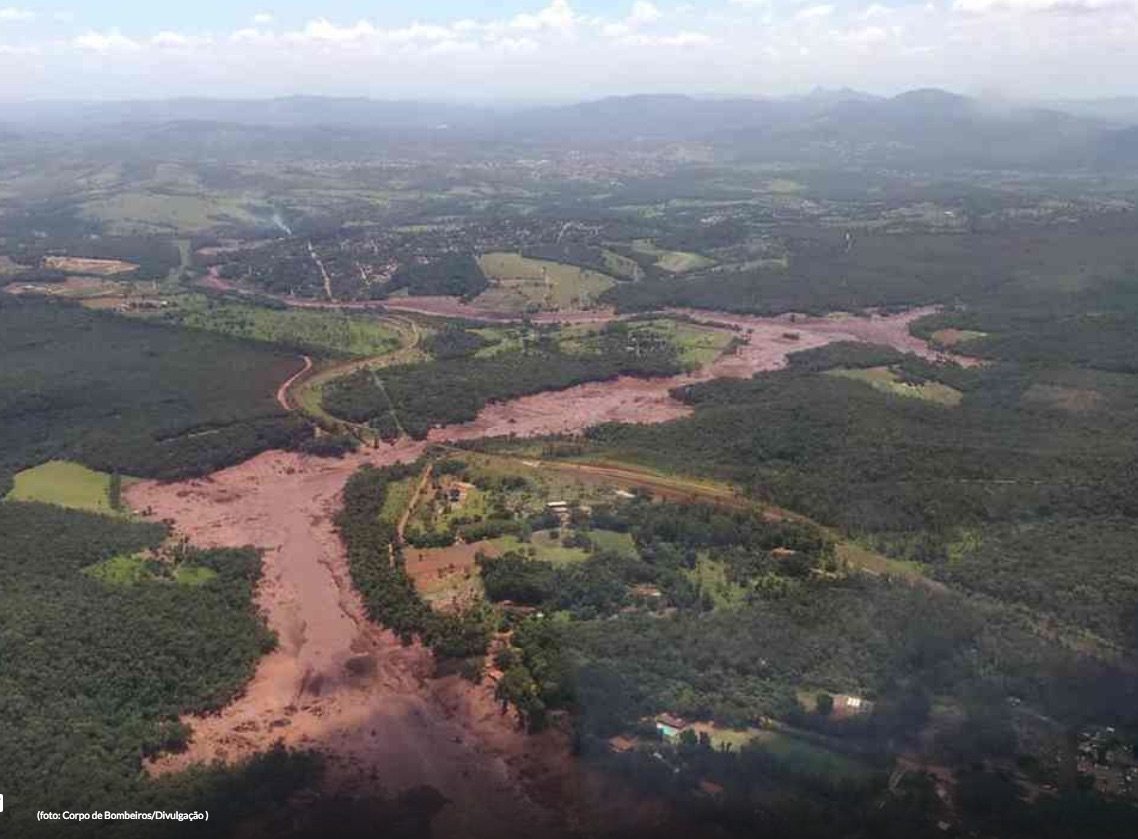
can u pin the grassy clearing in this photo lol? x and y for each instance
(193, 575)
(622, 266)
(861, 557)
(801, 756)
(674, 262)
(697, 345)
(887, 381)
(144, 211)
(952, 337)
(523, 284)
(710, 577)
(546, 545)
(328, 331)
(65, 484)
(120, 570)
(613, 542)
(129, 570)
(797, 754)
(397, 498)
(783, 186)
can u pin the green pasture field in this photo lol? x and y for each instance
(613, 542)
(547, 547)
(674, 262)
(887, 381)
(65, 484)
(131, 569)
(317, 330)
(710, 576)
(143, 211)
(808, 758)
(622, 266)
(524, 284)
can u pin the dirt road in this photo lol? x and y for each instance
(282, 391)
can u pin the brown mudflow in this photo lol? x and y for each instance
(349, 689)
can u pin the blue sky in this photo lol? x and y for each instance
(558, 50)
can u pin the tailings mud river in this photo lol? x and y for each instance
(349, 689)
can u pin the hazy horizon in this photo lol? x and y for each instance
(518, 52)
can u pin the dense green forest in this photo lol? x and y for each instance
(619, 638)
(96, 671)
(828, 272)
(655, 631)
(453, 390)
(1048, 450)
(455, 275)
(138, 398)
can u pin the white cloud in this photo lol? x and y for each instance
(814, 13)
(642, 13)
(263, 18)
(252, 35)
(106, 42)
(558, 15)
(176, 40)
(867, 36)
(63, 16)
(680, 39)
(321, 30)
(552, 51)
(1072, 7)
(11, 13)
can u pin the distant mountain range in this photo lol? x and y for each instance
(919, 129)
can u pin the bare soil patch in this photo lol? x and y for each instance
(83, 265)
(770, 340)
(446, 576)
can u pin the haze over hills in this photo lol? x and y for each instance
(919, 129)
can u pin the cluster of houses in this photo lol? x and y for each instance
(1110, 760)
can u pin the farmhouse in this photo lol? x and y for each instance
(670, 726)
(846, 705)
(561, 508)
(458, 490)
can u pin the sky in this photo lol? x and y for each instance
(563, 50)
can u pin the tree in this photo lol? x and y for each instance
(824, 704)
(114, 491)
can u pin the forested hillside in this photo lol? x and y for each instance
(825, 271)
(137, 398)
(96, 670)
